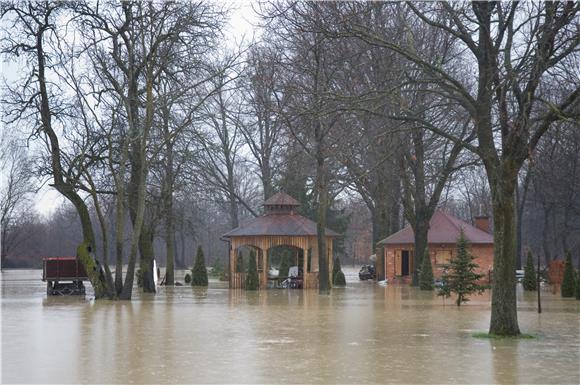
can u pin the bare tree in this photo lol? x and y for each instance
(34, 100)
(17, 185)
(519, 51)
(261, 126)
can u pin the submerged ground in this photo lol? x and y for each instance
(362, 334)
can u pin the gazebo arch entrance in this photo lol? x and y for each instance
(299, 261)
(279, 226)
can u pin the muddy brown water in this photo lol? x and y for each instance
(364, 333)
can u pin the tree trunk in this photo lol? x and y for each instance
(234, 219)
(504, 316)
(168, 210)
(147, 254)
(420, 230)
(137, 188)
(519, 214)
(170, 251)
(119, 238)
(322, 192)
(381, 219)
(546, 232)
(120, 216)
(267, 178)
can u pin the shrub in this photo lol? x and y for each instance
(461, 277)
(426, 276)
(339, 279)
(139, 276)
(199, 272)
(252, 279)
(568, 282)
(530, 278)
(188, 278)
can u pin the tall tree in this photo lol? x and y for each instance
(510, 97)
(34, 26)
(261, 126)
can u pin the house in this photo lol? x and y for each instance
(444, 230)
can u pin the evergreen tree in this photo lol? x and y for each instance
(336, 267)
(252, 279)
(284, 267)
(426, 276)
(578, 284)
(568, 282)
(461, 277)
(239, 263)
(199, 272)
(530, 279)
(338, 278)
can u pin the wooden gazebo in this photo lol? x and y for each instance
(280, 225)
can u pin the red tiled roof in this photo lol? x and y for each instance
(443, 228)
(277, 224)
(281, 199)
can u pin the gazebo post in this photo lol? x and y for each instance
(264, 269)
(232, 264)
(305, 275)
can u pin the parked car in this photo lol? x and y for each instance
(367, 272)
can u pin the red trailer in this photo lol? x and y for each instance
(55, 270)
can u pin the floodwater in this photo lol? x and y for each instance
(364, 333)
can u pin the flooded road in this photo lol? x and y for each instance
(365, 333)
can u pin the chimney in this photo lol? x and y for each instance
(482, 223)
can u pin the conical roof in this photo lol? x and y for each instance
(281, 199)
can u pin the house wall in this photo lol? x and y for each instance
(483, 254)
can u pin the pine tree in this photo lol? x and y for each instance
(568, 282)
(578, 284)
(461, 277)
(199, 272)
(284, 267)
(426, 276)
(529, 281)
(336, 268)
(239, 263)
(338, 278)
(252, 279)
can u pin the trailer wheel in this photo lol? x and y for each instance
(49, 288)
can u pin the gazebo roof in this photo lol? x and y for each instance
(443, 228)
(278, 223)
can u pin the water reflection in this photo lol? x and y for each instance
(362, 334)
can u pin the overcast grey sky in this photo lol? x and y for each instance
(239, 30)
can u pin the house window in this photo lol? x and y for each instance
(443, 257)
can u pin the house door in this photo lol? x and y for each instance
(405, 263)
